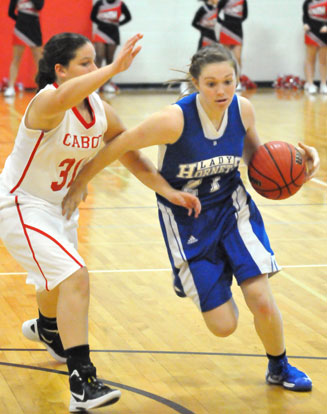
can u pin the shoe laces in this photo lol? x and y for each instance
(88, 372)
(94, 383)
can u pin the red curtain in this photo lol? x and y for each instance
(56, 16)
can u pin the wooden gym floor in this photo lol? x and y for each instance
(147, 341)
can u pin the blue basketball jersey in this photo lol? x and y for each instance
(204, 161)
(228, 239)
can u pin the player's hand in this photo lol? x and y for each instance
(127, 53)
(77, 192)
(323, 29)
(311, 158)
(186, 200)
(306, 27)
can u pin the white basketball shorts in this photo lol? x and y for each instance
(42, 241)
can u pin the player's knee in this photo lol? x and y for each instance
(83, 281)
(223, 330)
(264, 307)
(78, 283)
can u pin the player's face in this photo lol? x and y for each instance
(216, 85)
(82, 63)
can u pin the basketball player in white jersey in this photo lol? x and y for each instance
(201, 141)
(63, 127)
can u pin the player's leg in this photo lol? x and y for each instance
(72, 316)
(18, 51)
(267, 318)
(309, 68)
(237, 51)
(72, 309)
(63, 310)
(63, 326)
(222, 321)
(110, 49)
(323, 69)
(44, 243)
(44, 329)
(37, 54)
(100, 53)
(247, 247)
(269, 326)
(110, 52)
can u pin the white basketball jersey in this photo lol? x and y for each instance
(44, 164)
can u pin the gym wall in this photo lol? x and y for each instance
(273, 37)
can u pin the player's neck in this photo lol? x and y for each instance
(214, 115)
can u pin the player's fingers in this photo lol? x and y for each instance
(71, 210)
(136, 51)
(312, 154)
(198, 208)
(132, 40)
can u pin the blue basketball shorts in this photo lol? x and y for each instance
(228, 239)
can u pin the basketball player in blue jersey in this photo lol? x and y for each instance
(202, 139)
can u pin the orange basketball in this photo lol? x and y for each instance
(277, 170)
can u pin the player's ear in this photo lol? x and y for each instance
(195, 83)
(60, 70)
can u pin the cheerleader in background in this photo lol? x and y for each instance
(205, 20)
(27, 32)
(106, 37)
(234, 13)
(315, 26)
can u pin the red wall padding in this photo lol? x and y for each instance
(56, 16)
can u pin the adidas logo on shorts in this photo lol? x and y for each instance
(192, 240)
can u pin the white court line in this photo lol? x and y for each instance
(315, 180)
(160, 270)
(310, 265)
(305, 287)
(288, 276)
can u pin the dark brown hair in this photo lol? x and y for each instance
(61, 48)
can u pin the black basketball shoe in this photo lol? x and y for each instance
(87, 391)
(50, 339)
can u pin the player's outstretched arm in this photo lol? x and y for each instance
(50, 105)
(162, 127)
(311, 158)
